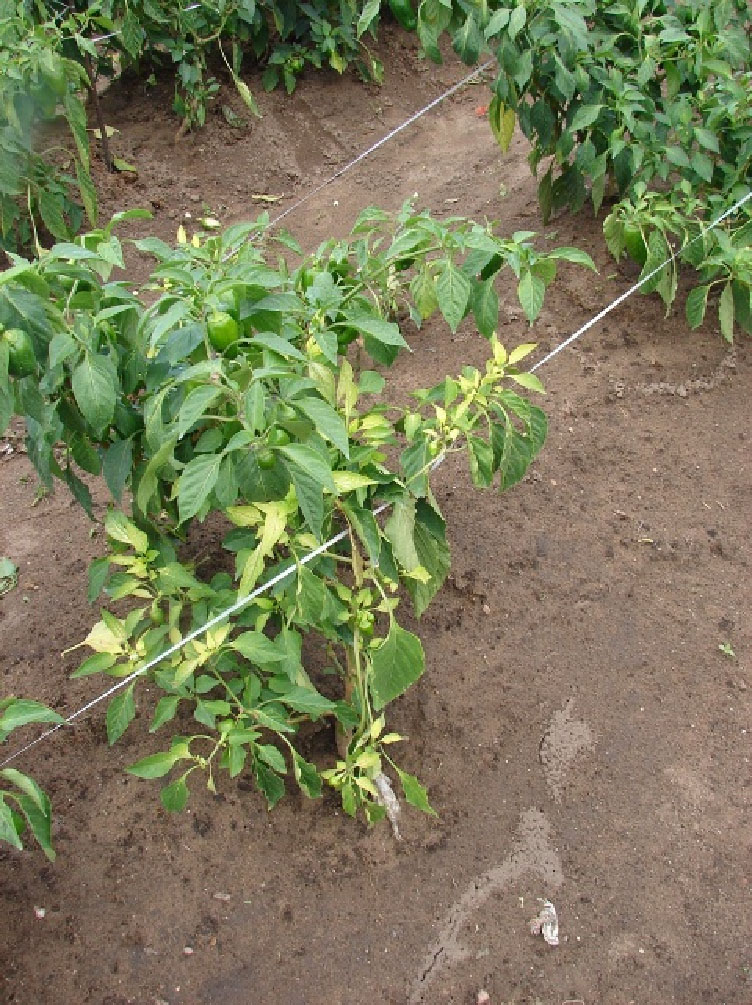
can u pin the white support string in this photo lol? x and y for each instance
(384, 139)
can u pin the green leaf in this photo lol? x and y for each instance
(8, 831)
(468, 41)
(116, 466)
(7, 403)
(62, 347)
(28, 786)
(21, 712)
(531, 292)
(327, 421)
(96, 663)
(258, 649)
(697, 302)
(98, 571)
(307, 776)
(39, 821)
(120, 713)
(528, 381)
(517, 20)
(270, 784)
(584, 116)
(50, 209)
(415, 793)
(382, 331)
(166, 710)
(485, 306)
(307, 700)
(395, 665)
(573, 255)
(499, 21)
(368, 14)
(400, 529)
(196, 483)
(310, 475)
(88, 193)
(76, 116)
(311, 461)
(515, 454)
(195, 405)
(132, 33)
(366, 528)
(155, 765)
(726, 313)
(423, 292)
(433, 554)
(272, 756)
(175, 796)
(453, 290)
(245, 93)
(93, 384)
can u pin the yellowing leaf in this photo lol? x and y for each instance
(103, 640)
(348, 481)
(521, 351)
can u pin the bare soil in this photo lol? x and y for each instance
(582, 735)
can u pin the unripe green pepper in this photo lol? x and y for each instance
(404, 13)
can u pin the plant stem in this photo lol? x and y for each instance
(106, 155)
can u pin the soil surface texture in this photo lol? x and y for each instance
(583, 737)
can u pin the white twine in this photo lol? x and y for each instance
(384, 139)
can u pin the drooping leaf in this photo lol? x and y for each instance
(726, 313)
(307, 776)
(116, 466)
(531, 292)
(395, 665)
(429, 537)
(453, 291)
(175, 796)
(697, 302)
(94, 388)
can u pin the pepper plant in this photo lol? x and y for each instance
(239, 386)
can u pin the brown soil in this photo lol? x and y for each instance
(582, 736)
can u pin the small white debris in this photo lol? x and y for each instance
(188, 950)
(223, 896)
(389, 801)
(39, 912)
(546, 923)
(483, 998)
